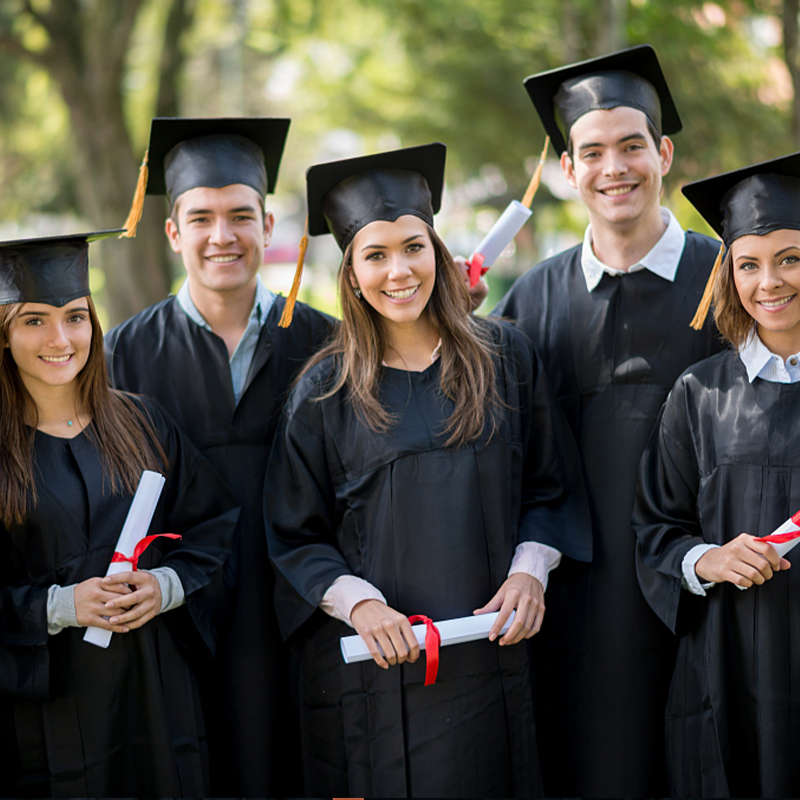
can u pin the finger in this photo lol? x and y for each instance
(387, 647)
(502, 617)
(538, 619)
(493, 605)
(785, 563)
(407, 632)
(120, 577)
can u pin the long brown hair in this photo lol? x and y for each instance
(733, 322)
(468, 348)
(123, 435)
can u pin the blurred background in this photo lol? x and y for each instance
(81, 79)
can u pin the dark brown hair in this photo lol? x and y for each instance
(468, 348)
(733, 322)
(122, 433)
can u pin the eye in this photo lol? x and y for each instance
(33, 321)
(590, 154)
(198, 220)
(415, 247)
(377, 255)
(748, 266)
(789, 260)
(243, 218)
(77, 317)
(635, 146)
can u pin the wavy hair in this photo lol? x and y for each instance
(121, 431)
(733, 322)
(469, 350)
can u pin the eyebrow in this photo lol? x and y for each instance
(775, 255)
(194, 211)
(630, 137)
(47, 313)
(383, 246)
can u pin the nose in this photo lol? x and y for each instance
(221, 232)
(58, 336)
(614, 164)
(399, 268)
(770, 278)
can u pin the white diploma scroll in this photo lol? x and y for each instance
(137, 523)
(503, 232)
(452, 631)
(790, 526)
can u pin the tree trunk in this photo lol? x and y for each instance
(792, 58)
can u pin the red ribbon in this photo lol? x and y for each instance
(476, 269)
(779, 538)
(141, 546)
(432, 641)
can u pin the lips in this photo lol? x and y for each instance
(402, 294)
(223, 259)
(781, 302)
(56, 359)
(617, 191)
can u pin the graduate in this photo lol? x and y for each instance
(610, 319)
(722, 470)
(76, 719)
(217, 358)
(422, 468)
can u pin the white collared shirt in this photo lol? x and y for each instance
(661, 260)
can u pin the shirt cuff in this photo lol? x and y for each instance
(345, 593)
(61, 609)
(535, 559)
(690, 580)
(172, 595)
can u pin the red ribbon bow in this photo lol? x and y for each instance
(780, 538)
(432, 641)
(141, 546)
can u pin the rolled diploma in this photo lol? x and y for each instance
(503, 232)
(453, 631)
(137, 523)
(782, 548)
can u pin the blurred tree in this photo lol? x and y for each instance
(83, 46)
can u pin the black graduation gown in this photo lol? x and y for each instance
(164, 354)
(78, 720)
(434, 528)
(603, 660)
(726, 460)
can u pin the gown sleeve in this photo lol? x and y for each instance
(555, 508)
(299, 507)
(665, 513)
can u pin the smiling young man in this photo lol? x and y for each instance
(610, 319)
(216, 358)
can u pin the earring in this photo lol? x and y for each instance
(358, 292)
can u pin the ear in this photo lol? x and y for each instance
(173, 234)
(352, 277)
(568, 169)
(269, 225)
(665, 152)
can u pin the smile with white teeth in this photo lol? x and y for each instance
(618, 191)
(56, 359)
(223, 259)
(775, 303)
(402, 294)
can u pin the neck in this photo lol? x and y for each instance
(622, 247)
(226, 312)
(55, 403)
(782, 343)
(410, 346)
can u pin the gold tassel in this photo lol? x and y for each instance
(527, 200)
(137, 207)
(705, 302)
(288, 309)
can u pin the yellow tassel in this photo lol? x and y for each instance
(527, 200)
(288, 309)
(137, 207)
(705, 302)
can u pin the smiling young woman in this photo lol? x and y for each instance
(83, 721)
(422, 467)
(722, 472)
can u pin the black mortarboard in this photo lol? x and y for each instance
(51, 269)
(757, 199)
(344, 196)
(185, 153)
(630, 77)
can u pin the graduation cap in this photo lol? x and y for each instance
(631, 77)
(185, 153)
(50, 269)
(754, 200)
(344, 196)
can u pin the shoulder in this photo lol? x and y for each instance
(151, 410)
(305, 319)
(701, 247)
(149, 322)
(312, 385)
(700, 385)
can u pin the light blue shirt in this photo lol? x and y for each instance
(662, 260)
(242, 356)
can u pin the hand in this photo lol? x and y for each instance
(742, 561)
(383, 628)
(477, 293)
(138, 607)
(90, 598)
(523, 593)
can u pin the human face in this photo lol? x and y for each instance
(394, 265)
(50, 345)
(617, 167)
(766, 273)
(221, 235)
